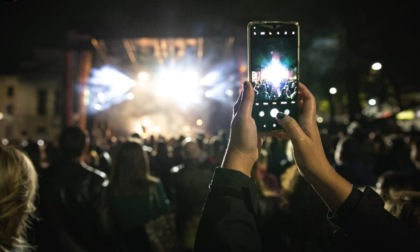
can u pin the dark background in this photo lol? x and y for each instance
(390, 28)
(367, 31)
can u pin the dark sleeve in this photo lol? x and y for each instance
(165, 203)
(228, 218)
(365, 221)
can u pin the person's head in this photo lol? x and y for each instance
(357, 131)
(218, 147)
(347, 151)
(405, 205)
(391, 181)
(73, 142)
(131, 167)
(33, 151)
(18, 189)
(161, 148)
(190, 149)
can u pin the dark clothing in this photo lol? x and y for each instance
(363, 218)
(228, 222)
(190, 185)
(129, 214)
(73, 198)
(190, 182)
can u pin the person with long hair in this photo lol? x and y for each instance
(128, 197)
(18, 189)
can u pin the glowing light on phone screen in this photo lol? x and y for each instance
(274, 112)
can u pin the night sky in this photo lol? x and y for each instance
(386, 31)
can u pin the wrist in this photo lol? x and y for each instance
(237, 160)
(330, 186)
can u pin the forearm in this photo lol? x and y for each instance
(369, 226)
(329, 185)
(236, 160)
(228, 219)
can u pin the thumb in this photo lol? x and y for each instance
(247, 99)
(291, 127)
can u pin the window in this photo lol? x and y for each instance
(42, 102)
(41, 130)
(10, 91)
(9, 109)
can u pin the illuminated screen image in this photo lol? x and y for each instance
(273, 71)
(274, 65)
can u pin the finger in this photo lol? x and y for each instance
(291, 127)
(308, 111)
(247, 99)
(308, 101)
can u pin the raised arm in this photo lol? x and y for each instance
(309, 153)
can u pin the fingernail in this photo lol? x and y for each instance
(280, 115)
(245, 85)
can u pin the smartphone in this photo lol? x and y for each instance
(273, 69)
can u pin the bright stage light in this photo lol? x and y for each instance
(101, 97)
(210, 78)
(229, 92)
(109, 76)
(186, 129)
(208, 94)
(181, 86)
(275, 73)
(146, 122)
(129, 96)
(143, 76)
(157, 130)
(107, 87)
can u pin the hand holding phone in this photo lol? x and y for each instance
(273, 69)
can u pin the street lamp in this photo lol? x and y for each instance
(376, 66)
(372, 102)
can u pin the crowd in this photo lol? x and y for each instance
(81, 196)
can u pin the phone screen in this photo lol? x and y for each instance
(273, 68)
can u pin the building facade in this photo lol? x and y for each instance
(30, 108)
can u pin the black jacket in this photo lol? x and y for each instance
(228, 221)
(74, 201)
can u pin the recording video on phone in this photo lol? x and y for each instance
(274, 66)
(273, 69)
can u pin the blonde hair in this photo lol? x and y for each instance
(18, 189)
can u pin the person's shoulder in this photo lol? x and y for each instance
(95, 173)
